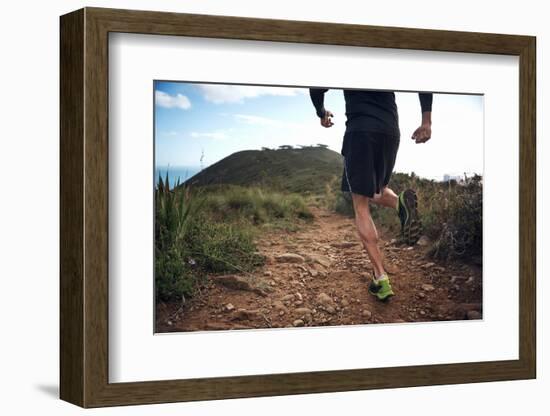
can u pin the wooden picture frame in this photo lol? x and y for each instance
(84, 207)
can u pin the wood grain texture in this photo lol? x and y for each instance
(84, 204)
(71, 100)
(527, 208)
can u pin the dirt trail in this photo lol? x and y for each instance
(319, 276)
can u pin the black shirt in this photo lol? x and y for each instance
(369, 110)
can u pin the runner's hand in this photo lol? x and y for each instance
(423, 133)
(326, 121)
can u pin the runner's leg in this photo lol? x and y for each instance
(367, 232)
(387, 198)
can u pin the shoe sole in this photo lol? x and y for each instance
(385, 299)
(413, 226)
(381, 299)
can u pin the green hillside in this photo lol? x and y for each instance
(303, 170)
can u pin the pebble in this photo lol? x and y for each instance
(427, 287)
(455, 279)
(279, 306)
(229, 307)
(298, 322)
(290, 258)
(243, 314)
(323, 298)
(366, 314)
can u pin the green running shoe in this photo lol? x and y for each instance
(411, 226)
(381, 288)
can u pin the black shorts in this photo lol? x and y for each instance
(369, 158)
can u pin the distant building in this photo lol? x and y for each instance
(448, 178)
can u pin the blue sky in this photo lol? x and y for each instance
(212, 121)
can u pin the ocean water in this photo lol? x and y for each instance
(175, 172)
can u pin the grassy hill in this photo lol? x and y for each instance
(305, 171)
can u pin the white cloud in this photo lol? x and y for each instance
(165, 100)
(219, 94)
(218, 135)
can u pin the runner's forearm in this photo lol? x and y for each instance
(318, 99)
(425, 103)
(427, 117)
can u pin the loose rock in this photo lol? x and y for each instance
(427, 287)
(278, 305)
(244, 314)
(236, 282)
(458, 279)
(322, 260)
(298, 322)
(325, 302)
(290, 258)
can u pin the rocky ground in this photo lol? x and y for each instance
(319, 276)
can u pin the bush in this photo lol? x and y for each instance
(456, 222)
(451, 212)
(212, 230)
(188, 244)
(343, 204)
(254, 205)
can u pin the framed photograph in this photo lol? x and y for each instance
(254, 207)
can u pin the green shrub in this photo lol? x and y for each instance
(212, 230)
(456, 226)
(451, 212)
(343, 204)
(233, 203)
